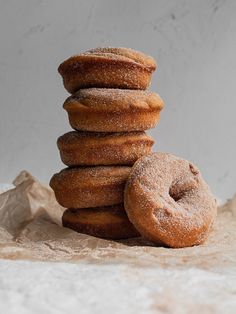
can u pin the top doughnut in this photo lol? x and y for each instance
(107, 67)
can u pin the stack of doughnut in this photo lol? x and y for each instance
(114, 187)
(109, 110)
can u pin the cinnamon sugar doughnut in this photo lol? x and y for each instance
(84, 187)
(168, 201)
(107, 67)
(113, 110)
(90, 149)
(108, 222)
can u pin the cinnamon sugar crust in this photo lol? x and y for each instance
(109, 222)
(132, 55)
(83, 187)
(107, 67)
(113, 110)
(168, 201)
(90, 148)
(113, 99)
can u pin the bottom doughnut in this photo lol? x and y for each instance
(108, 222)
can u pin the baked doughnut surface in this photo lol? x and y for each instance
(108, 222)
(84, 187)
(113, 110)
(90, 148)
(168, 201)
(107, 67)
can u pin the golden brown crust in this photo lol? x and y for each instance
(168, 201)
(90, 149)
(113, 110)
(107, 67)
(109, 222)
(83, 187)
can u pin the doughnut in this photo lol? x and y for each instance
(84, 187)
(108, 222)
(90, 149)
(113, 110)
(168, 201)
(107, 67)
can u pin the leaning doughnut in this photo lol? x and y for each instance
(83, 187)
(168, 201)
(107, 67)
(90, 148)
(110, 222)
(113, 110)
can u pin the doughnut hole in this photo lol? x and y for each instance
(179, 188)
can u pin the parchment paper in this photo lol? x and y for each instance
(30, 228)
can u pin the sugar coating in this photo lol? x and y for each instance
(107, 68)
(101, 215)
(168, 201)
(93, 148)
(113, 110)
(83, 187)
(114, 98)
(70, 178)
(72, 137)
(107, 222)
(123, 53)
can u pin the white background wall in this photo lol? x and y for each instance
(193, 41)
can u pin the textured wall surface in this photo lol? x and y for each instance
(194, 43)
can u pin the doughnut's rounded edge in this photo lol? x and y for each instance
(82, 187)
(92, 149)
(110, 222)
